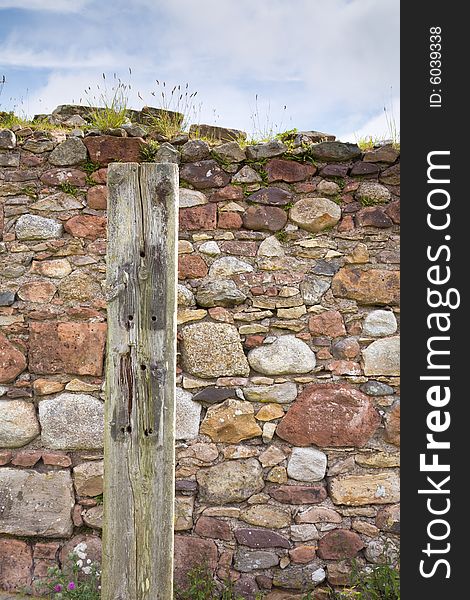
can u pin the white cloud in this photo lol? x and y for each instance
(47, 5)
(384, 125)
(19, 56)
(331, 63)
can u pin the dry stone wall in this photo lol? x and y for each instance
(287, 389)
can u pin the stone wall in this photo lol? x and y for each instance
(288, 406)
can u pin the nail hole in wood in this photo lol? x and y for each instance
(130, 317)
(129, 429)
(143, 367)
(142, 253)
(154, 318)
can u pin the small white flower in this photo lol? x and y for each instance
(80, 563)
(81, 547)
(88, 562)
(86, 570)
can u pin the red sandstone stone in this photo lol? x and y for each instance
(260, 538)
(46, 550)
(97, 197)
(288, 170)
(329, 415)
(334, 171)
(298, 494)
(204, 174)
(246, 587)
(229, 192)
(352, 206)
(271, 195)
(83, 312)
(41, 568)
(230, 220)
(67, 348)
(264, 218)
(329, 323)
(393, 211)
(104, 149)
(191, 552)
(344, 367)
(303, 554)
(191, 267)
(388, 518)
(5, 457)
(352, 186)
(213, 528)
(16, 563)
(77, 515)
(29, 159)
(239, 248)
(339, 544)
(86, 226)
(304, 187)
(225, 562)
(100, 176)
(56, 459)
(60, 176)
(221, 314)
(391, 176)
(253, 341)
(392, 425)
(37, 291)
(198, 217)
(26, 458)
(98, 247)
(323, 354)
(364, 169)
(373, 216)
(346, 349)
(12, 361)
(264, 582)
(339, 573)
(346, 224)
(354, 327)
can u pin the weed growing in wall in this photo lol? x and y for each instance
(264, 129)
(111, 102)
(68, 188)
(149, 151)
(177, 106)
(81, 581)
(202, 586)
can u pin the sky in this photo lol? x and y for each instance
(256, 65)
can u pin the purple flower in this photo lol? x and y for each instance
(57, 588)
(71, 586)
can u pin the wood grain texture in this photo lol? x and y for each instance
(140, 379)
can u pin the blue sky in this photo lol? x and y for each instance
(333, 64)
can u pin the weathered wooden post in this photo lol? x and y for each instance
(140, 375)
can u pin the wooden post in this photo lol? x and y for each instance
(140, 378)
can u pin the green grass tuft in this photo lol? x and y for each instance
(148, 152)
(109, 105)
(68, 188)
